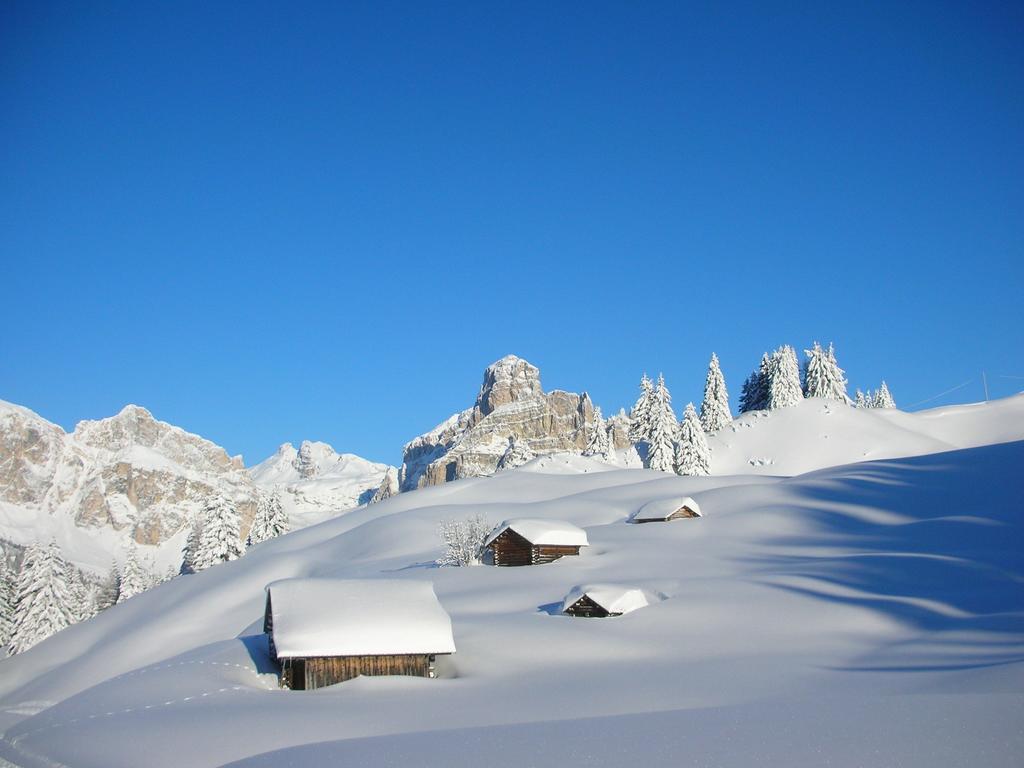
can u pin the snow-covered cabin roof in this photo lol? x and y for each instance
(538, 531)
(663, 509)
(357, 617)
(614, 598)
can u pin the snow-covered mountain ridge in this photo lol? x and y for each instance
(886, 586)
(127, 476)
(317, 482)
(133, 477)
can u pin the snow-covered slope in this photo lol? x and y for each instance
(868, 614)
(825, 433)
(317, 482)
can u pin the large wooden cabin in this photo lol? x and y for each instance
(532, 541)
(325, 631)
(664, 510)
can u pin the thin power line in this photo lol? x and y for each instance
(1004, 376)
(941, 394)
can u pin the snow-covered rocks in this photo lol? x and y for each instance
(511, 409)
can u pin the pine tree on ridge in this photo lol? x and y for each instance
(714, 408)
(692, 456)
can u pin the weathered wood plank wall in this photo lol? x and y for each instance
(511, 549)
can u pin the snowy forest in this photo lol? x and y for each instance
(46, 593)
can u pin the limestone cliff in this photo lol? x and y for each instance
(130, 474)
(511, 407)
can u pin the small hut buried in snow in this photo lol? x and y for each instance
(532, 541)
(601, 600)
(324, 631)
(663, 510)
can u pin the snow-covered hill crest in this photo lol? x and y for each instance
(815, 434)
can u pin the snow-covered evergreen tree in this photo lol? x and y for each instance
(640, 416)
(714, 409)
(110, 588)
(190, 551)
(84, 594)
(883, 398)
(220, 540)
(134, 577)
(388, 486)
(660, 455)
(45, 602)
(861, 400)
(260, 528)
(784, 378)
(692, 456)
(7, 597)
(754, 396)
(822, 375)
(280, 523)
(598, 445)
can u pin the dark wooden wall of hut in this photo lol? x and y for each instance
(681, 513)
(510, 548)
(318, 671)
(268, 628)
(587, 608)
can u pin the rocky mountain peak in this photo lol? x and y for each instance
(508, 380)
(305, 462)
(133, 425)
(474, 442)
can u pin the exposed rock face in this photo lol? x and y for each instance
(305, 464)
(618, 431)
(140, 477)
(517, 454)
(388, 486)
(511, 405)
(509, 380)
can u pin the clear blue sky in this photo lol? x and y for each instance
(271, 222)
